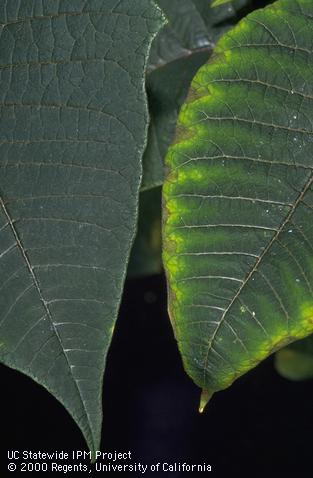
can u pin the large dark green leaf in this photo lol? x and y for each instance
(181, 47)
(239, 199)
(73, 127)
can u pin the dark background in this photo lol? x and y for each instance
(260, 427)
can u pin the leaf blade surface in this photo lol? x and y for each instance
(73, 126)
(238, 199)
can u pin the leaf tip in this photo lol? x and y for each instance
(204, 400)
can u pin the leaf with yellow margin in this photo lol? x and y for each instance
(238, 199)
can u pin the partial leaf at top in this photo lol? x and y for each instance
(180, 48)
(238, 198)
(73, 126)
(218, 3)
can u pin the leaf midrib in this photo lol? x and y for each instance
(44, 303)
(301, 195)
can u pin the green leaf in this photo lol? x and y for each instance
(73, 127)
(238, 198)
(217, 3)
(295, 362)
(181, 47)
(230, 3)
(146, 254)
